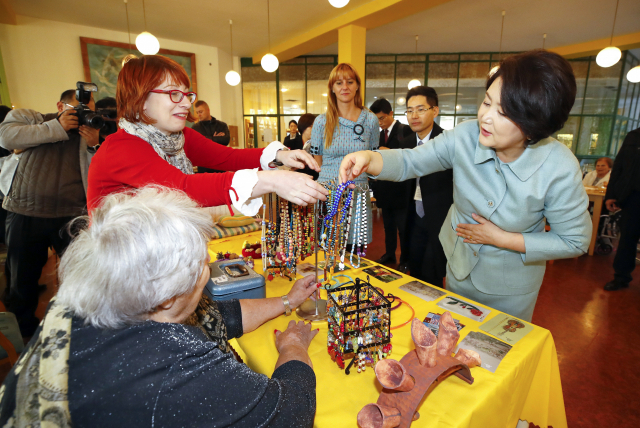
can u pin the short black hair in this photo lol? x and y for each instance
(107, 102)
(293, 121)
(381, 105)
(68, 95)
(305, 121)
(4, 110)
(426, 91)
(200, 102)
(538, 92)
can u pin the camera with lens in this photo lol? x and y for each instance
(86, 116)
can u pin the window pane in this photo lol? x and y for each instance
(623, 89)
(410, 58)
(471, 86)
(317, 91)
(475, 57)
(249, 135)
(379, 83)
(460, 119)
(443, 57)
(267, 130)
(443, 78)
(580, 69)
(316, 59)
(445, 122)
(292, 99)
(602, 87)
(258, 91)
(405, 73)
(635, 98)
(381, 58)
(594, 136)
(568, 135)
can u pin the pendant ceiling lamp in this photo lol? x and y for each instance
(269, 62)
(131, 55)
(633, 75)
(232, 77)
(415, 82)
(147, 42)
(495, 68)
(610, 55)
(338, 3)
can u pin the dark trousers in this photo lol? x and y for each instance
(427, 261)
(28, 242)
(395, 222)
(625, 259)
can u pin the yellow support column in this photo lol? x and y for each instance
(352, 44)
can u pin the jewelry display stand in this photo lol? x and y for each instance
(359, 318)
(314, 310)
(406, 382)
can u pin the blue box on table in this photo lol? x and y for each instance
(233, 279)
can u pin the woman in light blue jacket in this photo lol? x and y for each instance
(509, 176)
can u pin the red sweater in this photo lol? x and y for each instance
(126, 161)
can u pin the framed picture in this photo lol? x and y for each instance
(102, 61)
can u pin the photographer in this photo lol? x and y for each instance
(48, 190)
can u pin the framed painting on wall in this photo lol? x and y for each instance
(102, 61)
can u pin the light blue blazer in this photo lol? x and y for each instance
(544, 182)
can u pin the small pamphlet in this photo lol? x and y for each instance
(433, 322)
(492, 351)
(381, 274)
(464, 308)
(423, 291)
(507, 328)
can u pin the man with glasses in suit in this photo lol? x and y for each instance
(433, 193)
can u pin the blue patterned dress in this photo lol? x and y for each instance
(348, 137)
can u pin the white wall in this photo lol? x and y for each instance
(42, 59)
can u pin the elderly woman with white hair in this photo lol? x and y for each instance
(130, 339)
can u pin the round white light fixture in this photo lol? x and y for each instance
(269, 63)
(493, 70)
(633, 75)
(400, 101)
(608, 56)
(147, 43)
(414, 83)
(338, 3)
(232, 77)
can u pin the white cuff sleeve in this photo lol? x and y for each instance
(269, 155)
(243, 183)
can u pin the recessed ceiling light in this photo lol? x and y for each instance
(309, 102)
(284, 89)
(324, 95)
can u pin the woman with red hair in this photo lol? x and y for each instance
(154, 147)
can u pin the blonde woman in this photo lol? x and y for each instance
(346, 127)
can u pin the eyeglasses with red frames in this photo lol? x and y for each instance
(177, 95)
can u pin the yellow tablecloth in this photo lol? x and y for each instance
(526, 385)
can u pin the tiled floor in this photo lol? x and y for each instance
(597, 335)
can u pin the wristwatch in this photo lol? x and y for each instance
(287, 308)
(274, 163)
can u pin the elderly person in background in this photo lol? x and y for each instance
(132, 341)
(599, 177)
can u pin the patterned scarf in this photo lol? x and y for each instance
(168, 147)
(43, 370)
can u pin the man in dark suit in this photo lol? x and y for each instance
(623, 192)
(432, 197)
(393, 198)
